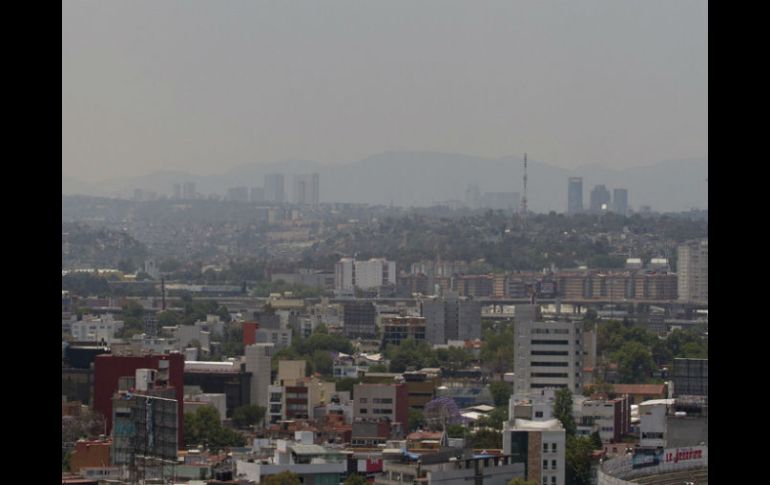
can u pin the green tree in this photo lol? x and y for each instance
(203, 427)
(578, 460)
(378, 368)
(596, 441)
(635, 363)
(456, 431)
(485, 439)
(323, 363)
(283, 478)
(248, 415)
(562, 410)
(501, 392)
(355, 479)
(416, 419)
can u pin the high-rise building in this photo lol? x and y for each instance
(188, 191)
(693, 271)
(177, 191)
(350, 274)
(620, 201)
(359, 319)
(550, 354)
(451, 318)
(600, 199)
(274, 188)
(258, 358)
(306, 189)
(575, 195)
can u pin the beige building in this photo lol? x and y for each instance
(693, 271)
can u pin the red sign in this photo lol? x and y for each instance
(683, 454)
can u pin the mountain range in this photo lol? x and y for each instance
(429, 178)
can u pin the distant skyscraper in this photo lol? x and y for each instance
(620, 201)
(188, 191)
(306, 189)
(274, 188)
(575, 195)
(177, 191)
(600, 199)
(472, 196)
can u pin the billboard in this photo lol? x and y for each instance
(645, 458)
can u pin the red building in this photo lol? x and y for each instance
(250, 333)
(108, 369)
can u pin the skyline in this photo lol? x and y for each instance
(204, 89)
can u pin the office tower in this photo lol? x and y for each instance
(451, 318)
(620, 201)
(258, 357)
(693, 271)
(472, 196)
(575, 195)
(274, 188)
(600, 199)
(549, 354)
(306, 189)
(188, 191)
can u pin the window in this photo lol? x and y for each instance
(550, 342)
(548, 374)
(553, 480)
(539, 414)
(553, 464)
(545, 464)
(549, 352)
(545, 447)
(553, 447)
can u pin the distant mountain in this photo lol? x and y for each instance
(428, 178)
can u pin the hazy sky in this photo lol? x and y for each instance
(203, 86)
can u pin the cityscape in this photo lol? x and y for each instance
(299, 323)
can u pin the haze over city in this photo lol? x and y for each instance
(205, 87)
(384, 243)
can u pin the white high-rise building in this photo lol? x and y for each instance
(258, 357)
(350, 274)
(693, 271)
(550, 354)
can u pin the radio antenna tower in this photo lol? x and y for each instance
(523, 209)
